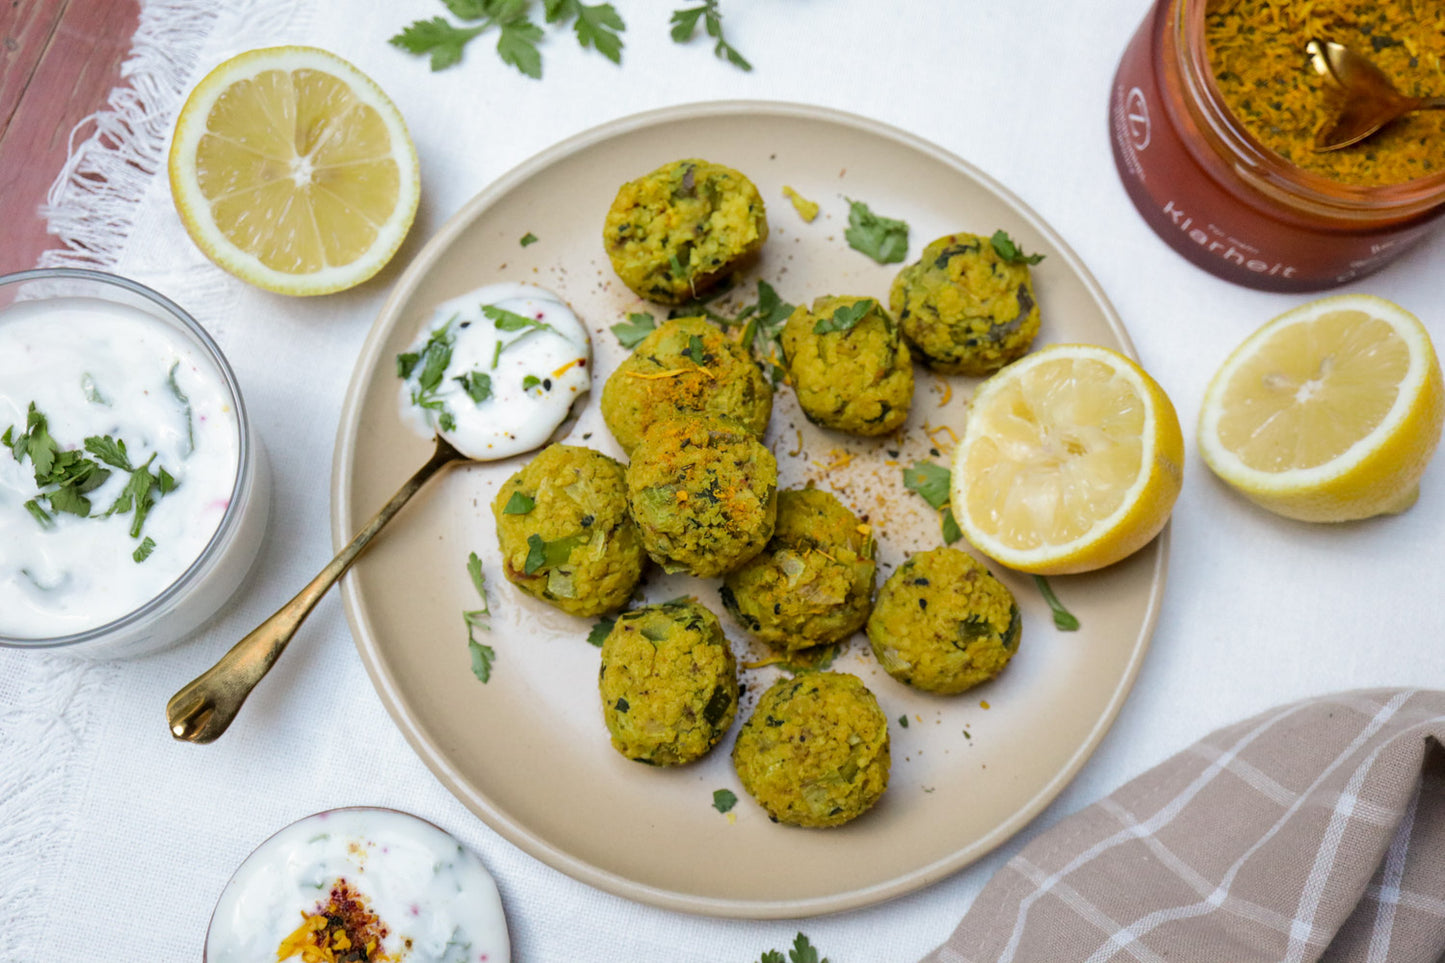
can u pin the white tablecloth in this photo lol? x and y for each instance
(116, 839)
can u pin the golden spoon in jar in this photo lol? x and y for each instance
(1369, 100)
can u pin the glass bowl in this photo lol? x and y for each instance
(95, 359)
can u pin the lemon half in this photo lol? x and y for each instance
(1071, 460)
(1328, 413)
(292, 170)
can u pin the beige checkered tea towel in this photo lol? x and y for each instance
(1315, 831)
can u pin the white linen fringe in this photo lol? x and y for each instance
(92, 202)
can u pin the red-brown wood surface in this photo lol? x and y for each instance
(58, 61)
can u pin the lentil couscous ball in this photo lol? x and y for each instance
(848, 365)
(815, 750)
(704, 495)
(674, 233)
(964, 307)
(813, 582)
(565, 533)
(686, 367)
(943, 624)
(668, 683)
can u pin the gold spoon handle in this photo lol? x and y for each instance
(206, 706)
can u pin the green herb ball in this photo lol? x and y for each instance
(849, 367)
(704, 495)
(943, 624)
(813, 582)
(676, 232)
(964, 307)
(668, 682)
(815, 750)
(565, 533)
(686, 367)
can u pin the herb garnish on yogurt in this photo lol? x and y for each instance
(65, 477)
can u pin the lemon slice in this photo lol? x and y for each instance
(1329, 412)
(293, 171)
(1071, 460)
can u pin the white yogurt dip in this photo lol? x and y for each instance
(431, 895)
(495, 371)
(99, 370)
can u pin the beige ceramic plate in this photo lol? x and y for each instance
(528, 751)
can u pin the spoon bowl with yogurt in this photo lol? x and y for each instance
(491, 374)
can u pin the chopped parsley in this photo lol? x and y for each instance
(66, 477)
(429, 365)
(519, 504)
(630, 333)
(1064, 620)
(482, 655)
(883, 239)
(144, 549)
(903, 720)
(684, 26)
(511, 321)
(762, 324)
(600, 631)
(724, 799)
(530, 382)
(542, 554)
(477, 385)
(933, 482)
(1005, 248)
(845, 318)
(528, 239)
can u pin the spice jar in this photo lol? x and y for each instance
(1223, 199)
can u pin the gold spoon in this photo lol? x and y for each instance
(205, 707)
(1369, 100)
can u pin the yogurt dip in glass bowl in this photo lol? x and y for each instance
(134, 491)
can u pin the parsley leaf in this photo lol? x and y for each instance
(1005, 247)
(482, 655)
(929, 480)
(724, 800)
(519, 504)
(511, 321)
(406, 363)
(517, 46)
(108, 450)
(144, 549)
(684, 26)
(951, 531)
(477, 385)
(845, 318)
(903, 720)
(442, 40)
(1064, 620)
(528, 238)
(883, 239)
(542, 554)
(530, 382)
(630, 333)
(600, 631)
(802, 952)
(597, 26)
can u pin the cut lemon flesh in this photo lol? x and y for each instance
(1071, 459)
(293, 171)
(1328, 413)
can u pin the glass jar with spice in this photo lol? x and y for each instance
(1213, 116)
